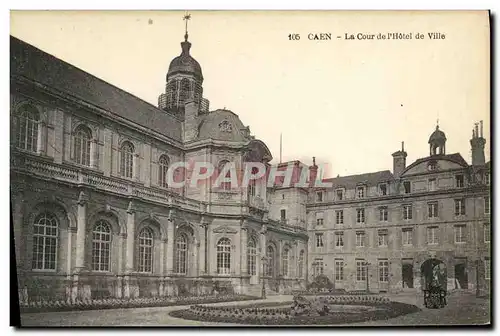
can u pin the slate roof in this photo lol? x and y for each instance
(39, 66)
(370, 179)
(208, 126)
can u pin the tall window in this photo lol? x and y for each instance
(224, 256)
(319, 196)
(285, 262)
(127, 160)
(319, 240)
(487, 268)
(318, 267)
(145, 262)
(407, 237)
(432, 184)
(82, 140)
(460, 233)
(407, 187)
(432, 236)
(487, 233)
(162, 171)
(270, 261)
(283, 215)
(360, 239)
(339, 239)
(383, 270)
(339, 270)
(407, 212)
(382, 239)
(432, 210)
(301, 264)
(360, 270)
(45, 241)
(360, 216)
(459, 207)
(459, 181)
(251, 257)
(319, 219)
(27, 128)
(382, 189)
(101, 246)
(185, 92)
(181, 250)
(340, 194)
(487, 205)
(384, 214)
(339, 217)
(225, 185)
(487, 178)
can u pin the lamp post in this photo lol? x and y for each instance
(264, 262)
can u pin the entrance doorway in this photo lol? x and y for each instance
(407, 275)
(461, 281)
(433, 273)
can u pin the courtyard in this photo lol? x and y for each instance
(462, 308)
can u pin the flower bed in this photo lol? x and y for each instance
(315, 312)
(113, 303)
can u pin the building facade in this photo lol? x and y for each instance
(94, 214)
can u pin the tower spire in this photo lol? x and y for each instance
(186, 18)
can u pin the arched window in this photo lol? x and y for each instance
(224, 185)
(45, 237)
(181, 249)
(101, 246)
(301, 264)
(127, 159)
(82, 140)
(285, 261)
(27, 128)
(162, 171)
(251, 257)
(172, 93)
(185, 92)
(271, 260)
(145, 255)
(224, 256)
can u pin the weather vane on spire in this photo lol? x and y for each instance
(186, 18)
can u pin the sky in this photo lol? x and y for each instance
(349, 103)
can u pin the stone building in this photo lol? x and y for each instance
(394, 231)
(93, 212)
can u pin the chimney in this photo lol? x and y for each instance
(399, 161)
(477, 145)
(313, 172)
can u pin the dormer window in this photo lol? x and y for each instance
(360, 192)
(340, 194)
(407, 187)
(382, 188)
(319, 196)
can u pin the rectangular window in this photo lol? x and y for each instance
(360, 192)
(383, 214)
(339, 239)
(460, 233)
(360, 270)
(319, 196)
(487, 205)
(487, 233)
(382, 239)
(432, 184)
(383, 270)
(407, 237)
(432, 210)
(407, 187)
(360, 216)
(319, 219)
(339, 217)
(360, 239)
(339, 270)
(382, 189)
(318, 267)
(319, 240)
(459, 207)
(407, 212)
(432, 235)
(283, 215)
(487, 268)
(459, 181)
(340, 194)
(487, 178)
